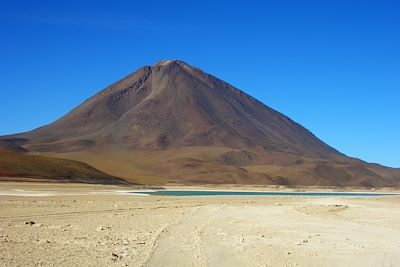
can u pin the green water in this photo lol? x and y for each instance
(277, 194)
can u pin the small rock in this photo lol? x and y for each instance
(103, 228)
(115, 256)
(30, 223)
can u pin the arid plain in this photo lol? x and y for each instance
(93, 225)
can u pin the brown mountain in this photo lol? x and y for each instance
(173, 123)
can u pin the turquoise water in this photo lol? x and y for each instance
(277, 194)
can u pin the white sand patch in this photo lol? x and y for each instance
(23, 193)
(130, 193)
(28, 193)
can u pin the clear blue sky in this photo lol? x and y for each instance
(333, 66)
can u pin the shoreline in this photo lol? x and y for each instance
(54, 189)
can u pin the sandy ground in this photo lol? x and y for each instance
(82, 225)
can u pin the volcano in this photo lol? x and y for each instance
(172, 123)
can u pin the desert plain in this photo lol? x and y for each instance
(43, 224)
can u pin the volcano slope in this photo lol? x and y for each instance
(172, 123)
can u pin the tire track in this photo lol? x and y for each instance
(179, 244)
(73, 213)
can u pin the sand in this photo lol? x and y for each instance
(88, 225)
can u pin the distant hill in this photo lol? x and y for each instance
(23, 167)
(173, 123)
(11, 145)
